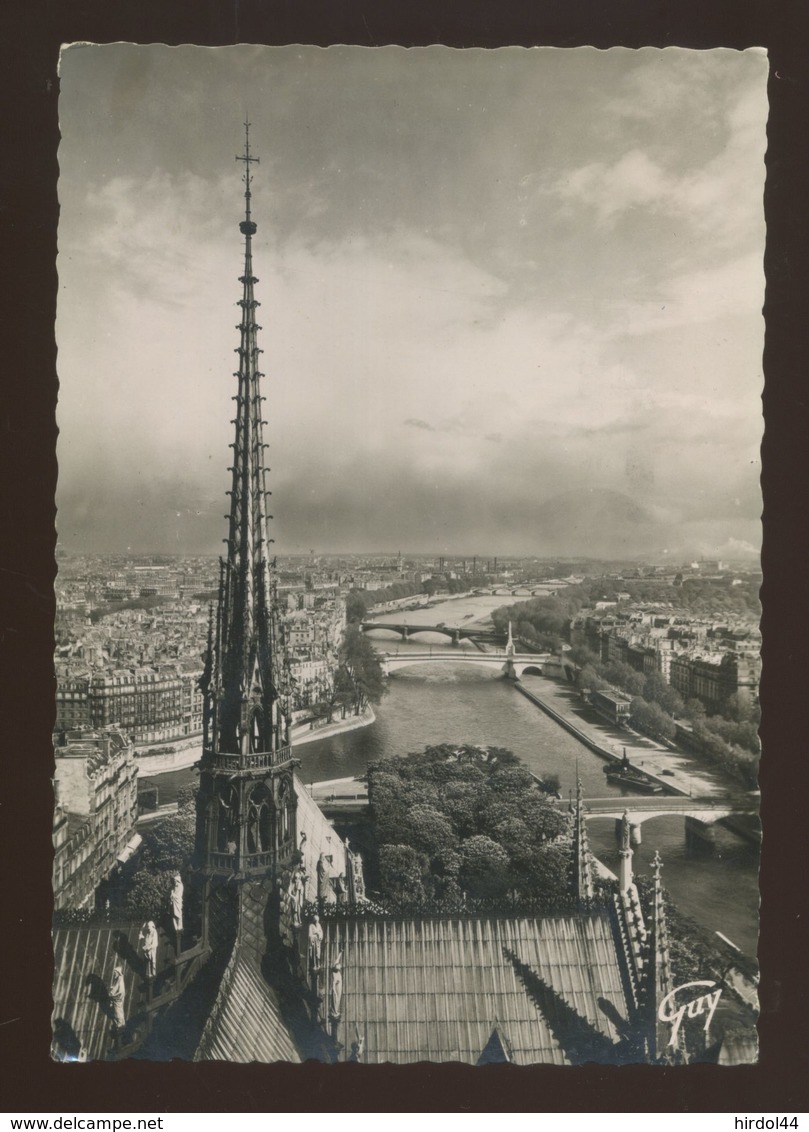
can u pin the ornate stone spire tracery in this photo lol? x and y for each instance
(247, 672)
(247, 801)
(582, 862)
(658, 973)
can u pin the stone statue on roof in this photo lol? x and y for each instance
(357, 875)
(117, 995)
(325, 891)
(176, 901)
(336, 991)
(357, 1047)
(148, 942)
(285, 917)
(296, 895)
(625, 832)
(315, 938)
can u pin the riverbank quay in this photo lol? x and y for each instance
(305, 733)
(149, 817)
(186, 753)
(160, 758)
(660, 764)
(338, 796)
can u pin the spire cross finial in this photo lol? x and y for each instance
(657, 864)
(247, 159)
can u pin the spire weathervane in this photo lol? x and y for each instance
(247, 227)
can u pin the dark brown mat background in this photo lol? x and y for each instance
(30, 34)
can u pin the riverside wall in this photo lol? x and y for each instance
(305, 734)
(602, 752)
(669, 786)
(186, 752)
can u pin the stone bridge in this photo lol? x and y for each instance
(700, 814)
(525, 589)
(511, 666)
(456, 633)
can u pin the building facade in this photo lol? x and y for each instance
(96, 812)
(147, 703)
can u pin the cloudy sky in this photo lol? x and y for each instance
(488, 279)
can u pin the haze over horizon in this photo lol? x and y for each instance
(510, 299)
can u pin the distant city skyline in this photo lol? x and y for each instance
(509, 298)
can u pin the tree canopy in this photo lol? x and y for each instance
(168, 846)
(360, 661)
(459, 824)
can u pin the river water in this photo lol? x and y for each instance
(457, 703)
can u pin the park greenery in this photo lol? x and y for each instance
(168, 848)
(542, 622)
(460, 827)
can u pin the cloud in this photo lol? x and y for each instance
(468, 303)
(730, 289)
(712, 191)
(610, 189)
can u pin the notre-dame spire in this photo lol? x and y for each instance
(246, 800)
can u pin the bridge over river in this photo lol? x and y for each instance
(456, 633)
(511, 665)
(524, 589)
(700, 814)
(343, 796)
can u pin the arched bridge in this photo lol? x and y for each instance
(700, 814)
(456, 633)
(525, 589)
(512, 667)
(639, 810)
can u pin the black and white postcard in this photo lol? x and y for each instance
(407, 609)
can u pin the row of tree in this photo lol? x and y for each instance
(358, 678)
(541, 622)
(360, 602)
(738, 763)
(729, 740)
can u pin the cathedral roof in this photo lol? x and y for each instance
(246, 1023)
(437, 990)
(321, 837)
(84, 958)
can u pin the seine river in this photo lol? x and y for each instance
(457, 703)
